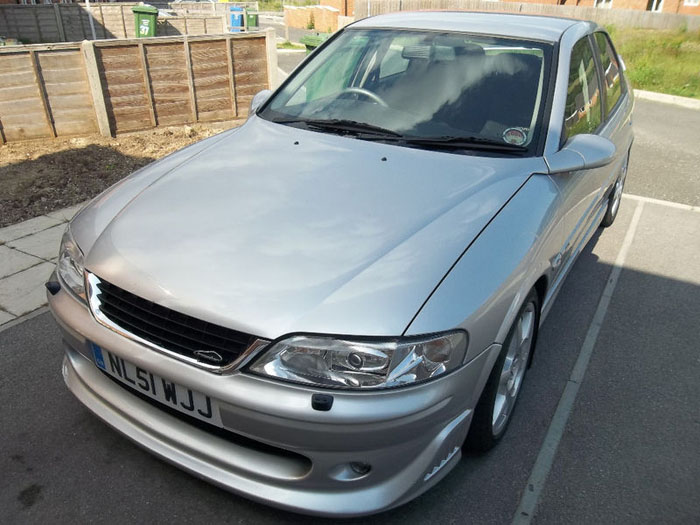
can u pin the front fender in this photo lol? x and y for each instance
(483, 291)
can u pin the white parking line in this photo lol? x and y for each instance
(670, 204)
(545, 458)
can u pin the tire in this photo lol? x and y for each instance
(495, 407)
(615, 197)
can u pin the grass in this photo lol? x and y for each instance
(290, 45)
(662, 61)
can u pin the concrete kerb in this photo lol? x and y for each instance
(690, 103)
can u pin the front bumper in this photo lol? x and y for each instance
(289, 455)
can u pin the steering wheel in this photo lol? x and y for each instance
(365, 92)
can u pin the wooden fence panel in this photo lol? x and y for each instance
(211, 80)
(74, 26)
(250, 71)
(169, 84)
(115, 20)
(71, 22)
(21, 109)
(126, 85)
(125, 94)
(67, 91)
(47, 25)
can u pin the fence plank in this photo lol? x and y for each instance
(59, 22)
(98, 99)
(121, 8)
(190, 79)
(271, 53)
(231, 76)
(36, 23)
(42, 93)
(147, 85)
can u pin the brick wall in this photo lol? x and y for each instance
(325, 17)
(677, 6)
(346, 7)
(669, 6)
(549, 2)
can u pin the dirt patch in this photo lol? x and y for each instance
(40, 176)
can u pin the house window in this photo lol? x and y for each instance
(691, 2)
(605, 4)
(656, 6)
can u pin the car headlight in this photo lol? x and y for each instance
(70, 266)
(362, 363)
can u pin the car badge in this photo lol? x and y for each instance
(209, 355)
(515, 136)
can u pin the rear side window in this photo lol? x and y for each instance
(583, 105)
(611, 71)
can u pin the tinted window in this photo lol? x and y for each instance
(611, 72)
(422, 84)
(583, 104)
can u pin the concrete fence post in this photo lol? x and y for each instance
(271, 52)
(59, 22)
(98, 98)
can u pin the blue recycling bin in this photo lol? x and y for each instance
(236, 16)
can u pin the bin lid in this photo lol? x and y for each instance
(314, 40)
(235, 8)
(145, 9)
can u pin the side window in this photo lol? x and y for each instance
(583, 105)
(611, 70)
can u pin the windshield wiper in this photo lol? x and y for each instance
(372, 132)
(451, 142)
(341, 125)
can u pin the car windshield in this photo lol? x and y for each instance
(420, 88)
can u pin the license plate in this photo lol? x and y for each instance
(178, 397)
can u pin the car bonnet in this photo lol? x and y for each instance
(274, 229)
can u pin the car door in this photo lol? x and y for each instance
(584, 193)
(617, 109)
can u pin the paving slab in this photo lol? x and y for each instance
(22, 229)
(44, 244)
(24, 292)
(5, 317)
(13, 261)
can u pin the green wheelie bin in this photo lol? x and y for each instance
(251, 20)
(145, 18)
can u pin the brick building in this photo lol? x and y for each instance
(681, 7)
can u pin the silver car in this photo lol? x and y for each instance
(317, 310)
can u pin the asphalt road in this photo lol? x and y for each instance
(665, 157)
(630, 448)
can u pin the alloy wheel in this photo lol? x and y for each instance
(514, 366)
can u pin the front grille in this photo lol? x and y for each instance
(206, 343)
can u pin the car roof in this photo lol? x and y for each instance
(528, 27)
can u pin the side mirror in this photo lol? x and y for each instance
(582, 152)
(258, 100)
